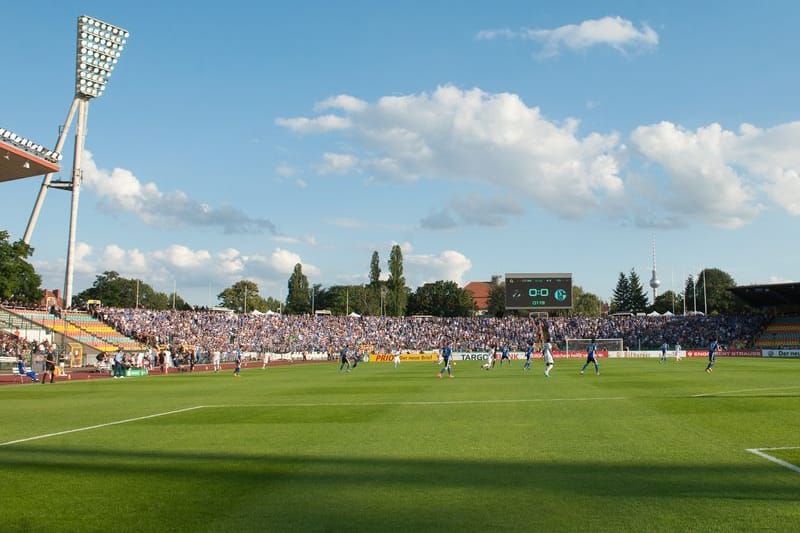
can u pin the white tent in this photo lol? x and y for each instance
(270, 312)
(654, 313)
(256, 312)
(354, 314)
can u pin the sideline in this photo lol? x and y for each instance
(98, 426)
(768, 457)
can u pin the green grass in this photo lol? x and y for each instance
(643, 447)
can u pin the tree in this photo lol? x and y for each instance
(115, 291)
(497, 298)
(243, 296)
(375, 285)
(343, 299)
(668, 301)
(585, 303)
(690, 290)
(398, 293)
(272, 304)
(297, 299)
(441, 298)
(621, 299)
(638, 296)
(18, 279)
(713, 293)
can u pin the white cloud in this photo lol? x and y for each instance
(497, 143)
(470, 135)
(120, 190)
(194, 270)
(448, 265)
(283, 261)
(342, 101)
(183, 257)
(703, 167)
(314, 125)
(616, 32)
(336, 163)
(772, 155)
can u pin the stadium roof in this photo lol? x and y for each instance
(16, 163)
(773, 295)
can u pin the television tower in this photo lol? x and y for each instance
(655, 283)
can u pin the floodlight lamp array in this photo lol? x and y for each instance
(99, 47)
(30, 146)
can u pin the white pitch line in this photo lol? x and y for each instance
(768, 457)
(273, 405)
(744, 390)
(379, 404)
(98, 426)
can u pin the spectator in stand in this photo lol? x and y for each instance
(219, 332)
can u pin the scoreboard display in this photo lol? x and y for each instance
(538, 291)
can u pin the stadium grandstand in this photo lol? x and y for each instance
(67, 327)
(782, 301)
(22, 158)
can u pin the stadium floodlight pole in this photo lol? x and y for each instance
(99, 46)
(48, 178)
(705, 299)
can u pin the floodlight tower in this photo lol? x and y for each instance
(99, 46)
(655, 283)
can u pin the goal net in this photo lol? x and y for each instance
(581, 345)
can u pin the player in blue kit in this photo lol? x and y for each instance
(664, 348)
(712, 355)
(446, 353)
(237, 371)
(591, 357)
(504, 355)
(344, 360)
(528, 355)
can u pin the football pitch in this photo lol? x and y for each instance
(642, 447)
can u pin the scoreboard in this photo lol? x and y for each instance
(538, 291)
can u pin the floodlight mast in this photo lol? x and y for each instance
(99, 46)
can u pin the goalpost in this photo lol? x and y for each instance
(580, 345)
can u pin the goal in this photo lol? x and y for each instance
(580, 345)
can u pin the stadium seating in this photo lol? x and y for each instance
(81, 327)
(782, 332)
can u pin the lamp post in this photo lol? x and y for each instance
(99, 46)
(383, 295)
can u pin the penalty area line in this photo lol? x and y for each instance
(760, 452)
(420, 403)
(743, 390)
(98, 426)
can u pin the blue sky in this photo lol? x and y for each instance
(237, 139)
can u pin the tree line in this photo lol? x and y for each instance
(706, 292)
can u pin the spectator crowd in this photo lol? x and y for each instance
(227, 332)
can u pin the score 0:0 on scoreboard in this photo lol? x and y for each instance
(539, 291)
